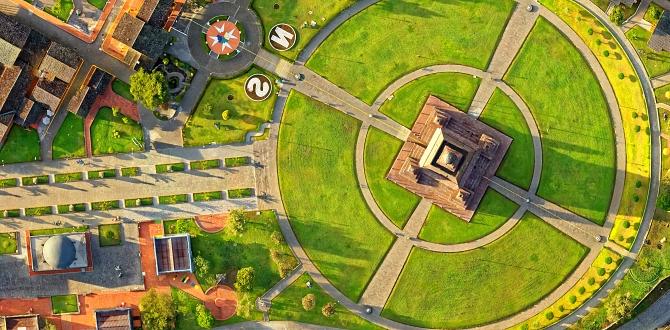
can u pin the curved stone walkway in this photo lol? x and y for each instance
(655, 160)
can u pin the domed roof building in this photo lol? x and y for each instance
(60, 252)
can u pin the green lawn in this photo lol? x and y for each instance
(570, 110)
(122, 89)
(240, 193)
(320, 191)
(655, 63)
(460, 290)
(8, 244)
(185, 305)
(173, 199)
(57, 231)
(65, 208)
(205, 164)
(288, 306)
(365, 54)
(381, 150)
(38, 211)
(100, 4)
(105, 205)
(61, 9)
(6, 183)
(35, 180)
(110, 234)
(130, 171)
(207, 196)
(295, 13)
(444, 227)
(454, 88)
(253, 248)
(21, 145)
(502, 114)
(68, 177)
(237, 161)
(69, 141)
(101, 174)
(168, 168)
(64, 304)
(136, 202)
(206, 124)
(102, 134)
(648, 15)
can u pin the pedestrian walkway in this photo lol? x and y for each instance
(638, 18)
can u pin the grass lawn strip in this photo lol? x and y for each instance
(71, 208)
(576, 132)
(372, 34)
(237, 161)
(112, 134)
(240, 193)
(534, 258)
(109, 234)
(58, 231)
(295, 13)
(502, 114)
(21, 145)
(173, 199)
(8, 243)
(288, 306)
(130, 171)
(206, 124)
(227, 252)
(333, 223)
(65, 304)
(35, 180)
(136, 202)
(69, 141)
(596, 276)
(207, 196)
(455, 88)
(15, 213)
(445, 228)
(381, 150)
(205, 164)
(633, 109)
(7, 183)
(68, 177)
(105, 205)
(168, 168)
(101, 174)
(61, 9)
(122, 89)
(38, 211)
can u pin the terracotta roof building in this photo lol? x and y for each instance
(96, 82)
(19, 322)
(113, 319)
(128, 29)
(449, 158)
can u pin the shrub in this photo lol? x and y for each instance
(157, 310)
(236, 222)
(637, 128)
(277, 237)
(620, 238)
(655, 12)
(590, 31)
(245, 305)
(308, 302)
(598, 42)
(115, 111)
(601, 271)
(626, 224)
(572, 299)
(638, 184)
(617, 16)
(636, 198)
(549, 316)
(285, 263)
(635, 115)
(125, 120)
(581, 290)
(621, 75)
(606, 53)
(619, 307)
(245, 279)
(561, 308)
(592, 281)
(636, 226)
(201, 265)
(204, 317)
(328, 309)
(664, 195)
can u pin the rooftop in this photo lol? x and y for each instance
(660, 39)
(19, 322)
(113, 319)
(161, 13)
(128, 29)
(12, 31)
(59, 252)
(173, 254)
(64, 54)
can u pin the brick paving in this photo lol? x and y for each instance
(211, 223)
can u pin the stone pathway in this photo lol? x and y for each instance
(655, 317)
(518, 28)
(638, 17)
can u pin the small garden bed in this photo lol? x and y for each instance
(71, 208)
(101, 174)
(105, 205)
(66, 304)
(15, 213)
(169, 168)
(237, 161)
(240, 193)
(8, 243)
(173, 199)
(207, 196)
(137, 202)
(122, 89)
(68, 177)
(110, 234)
(38, 211)
(6, 183)
(205, 164)
(112, 133)
(58, 231)
(130, 171)
(35, 180)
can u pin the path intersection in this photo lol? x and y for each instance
(262, 174)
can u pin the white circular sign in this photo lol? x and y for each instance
(258, 87)
(282, 37)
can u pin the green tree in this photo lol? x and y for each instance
(150, 88)
(245, 305)
(619, 307)
(201, 265)
(245, 279)
(664, 196)
(617, 15)
(308, 301)
(236, 222)
(157, 310)
(204, 317)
